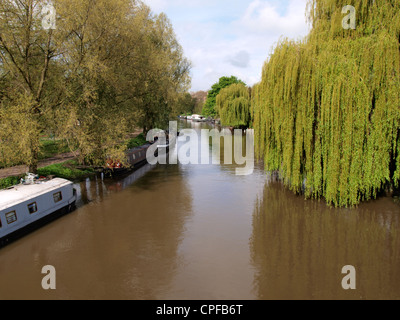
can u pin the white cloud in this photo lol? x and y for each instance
(241, 59)
(224, 38)
(262, 17)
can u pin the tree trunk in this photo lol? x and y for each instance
(34, 160)
(33, 167)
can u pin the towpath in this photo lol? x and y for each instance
(20, 170)
(60, 158)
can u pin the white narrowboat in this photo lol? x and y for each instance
(26, 207)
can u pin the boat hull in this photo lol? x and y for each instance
(35, 225)
(117, 172)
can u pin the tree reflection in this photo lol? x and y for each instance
(120, 246)
(300, 247)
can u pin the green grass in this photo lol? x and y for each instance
(9, 182)
(66, 170)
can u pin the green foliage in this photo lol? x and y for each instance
(19, 131)
(9, 182)
(233, 106)
(50, 147)
(327, 111)
(139, 141)
(211, 102)
(67, 170)
(110, 67)
(185, 105)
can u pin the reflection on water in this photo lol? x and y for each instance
(300, 247)
(121, 246)
(202, 232)
(97, 188)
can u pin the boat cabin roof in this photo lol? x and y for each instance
(20, 193)
(140, 148)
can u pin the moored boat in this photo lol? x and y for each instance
(198, 118)
(26, 207)
(135, 158)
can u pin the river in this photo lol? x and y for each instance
(202, 232)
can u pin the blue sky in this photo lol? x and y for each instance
(231, 37)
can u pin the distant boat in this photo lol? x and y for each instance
(198, 118)
(189, 118)
(26, 207)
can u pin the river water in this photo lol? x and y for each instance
(203, 232)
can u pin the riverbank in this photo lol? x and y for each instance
(63, 166)
(69, 169)
(20, 170)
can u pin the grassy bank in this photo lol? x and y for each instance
(68, 170)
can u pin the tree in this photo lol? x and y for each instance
(132, 75)
(200, 98)
(108, 68)
(186, 104)
(164, 72)
(28, 54)
(209, 107)
(326, 113)
(233, 106)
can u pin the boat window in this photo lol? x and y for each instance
(11, 217)
(57, 197)
(32, 208)
(0, 223)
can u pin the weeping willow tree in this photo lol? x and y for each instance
(233, 106)
(327, 111)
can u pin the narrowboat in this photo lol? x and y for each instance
(136, 157)
(32, 204)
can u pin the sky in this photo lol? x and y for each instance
(231, 37)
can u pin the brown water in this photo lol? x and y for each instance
(201, 232)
